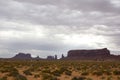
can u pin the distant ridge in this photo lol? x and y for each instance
(27, 56)
(93, 54)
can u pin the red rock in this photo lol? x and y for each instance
(89, 54)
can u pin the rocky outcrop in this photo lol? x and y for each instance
(22, 56)
(96, 52)
(89, 54)
(27, 56)
(52, 57)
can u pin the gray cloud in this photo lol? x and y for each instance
(45, 26)
(83, 12)
(86, 5)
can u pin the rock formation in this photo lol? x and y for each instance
(22, 56)
(55, 57)
(89, 54)
(95, 54)
(50, 58)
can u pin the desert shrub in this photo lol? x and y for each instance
(69, 73)
(8, 69)
(79, 78)
(27, 72)
(63, 69)
(116, 72)
(20, 77)
(56, 73)
(36, 76)
(85, 73)
(13, 72)
(89, 79)
(74, 78)
(54, 78)
(98, 73)
(46, 71)
(110, 78)
(47, 77)
(118, 78)
(4, 70)
(107, 73)
(102, 78)
(3, 78)
(78, 68)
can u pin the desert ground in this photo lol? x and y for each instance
(59, 70)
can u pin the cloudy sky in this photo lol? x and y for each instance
(49, 27)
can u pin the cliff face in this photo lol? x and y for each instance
(89, 54)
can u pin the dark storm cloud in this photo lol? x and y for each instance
(58, 25)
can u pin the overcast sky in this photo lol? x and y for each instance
(49, 27)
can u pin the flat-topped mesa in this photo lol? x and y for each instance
(89, 53)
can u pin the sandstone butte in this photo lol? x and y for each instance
(93, 54)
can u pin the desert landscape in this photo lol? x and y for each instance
(59, 70)
(59, 39)
(94, 64)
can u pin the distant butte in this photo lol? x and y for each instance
(25, 56)
(22, 56)
(94, 54)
